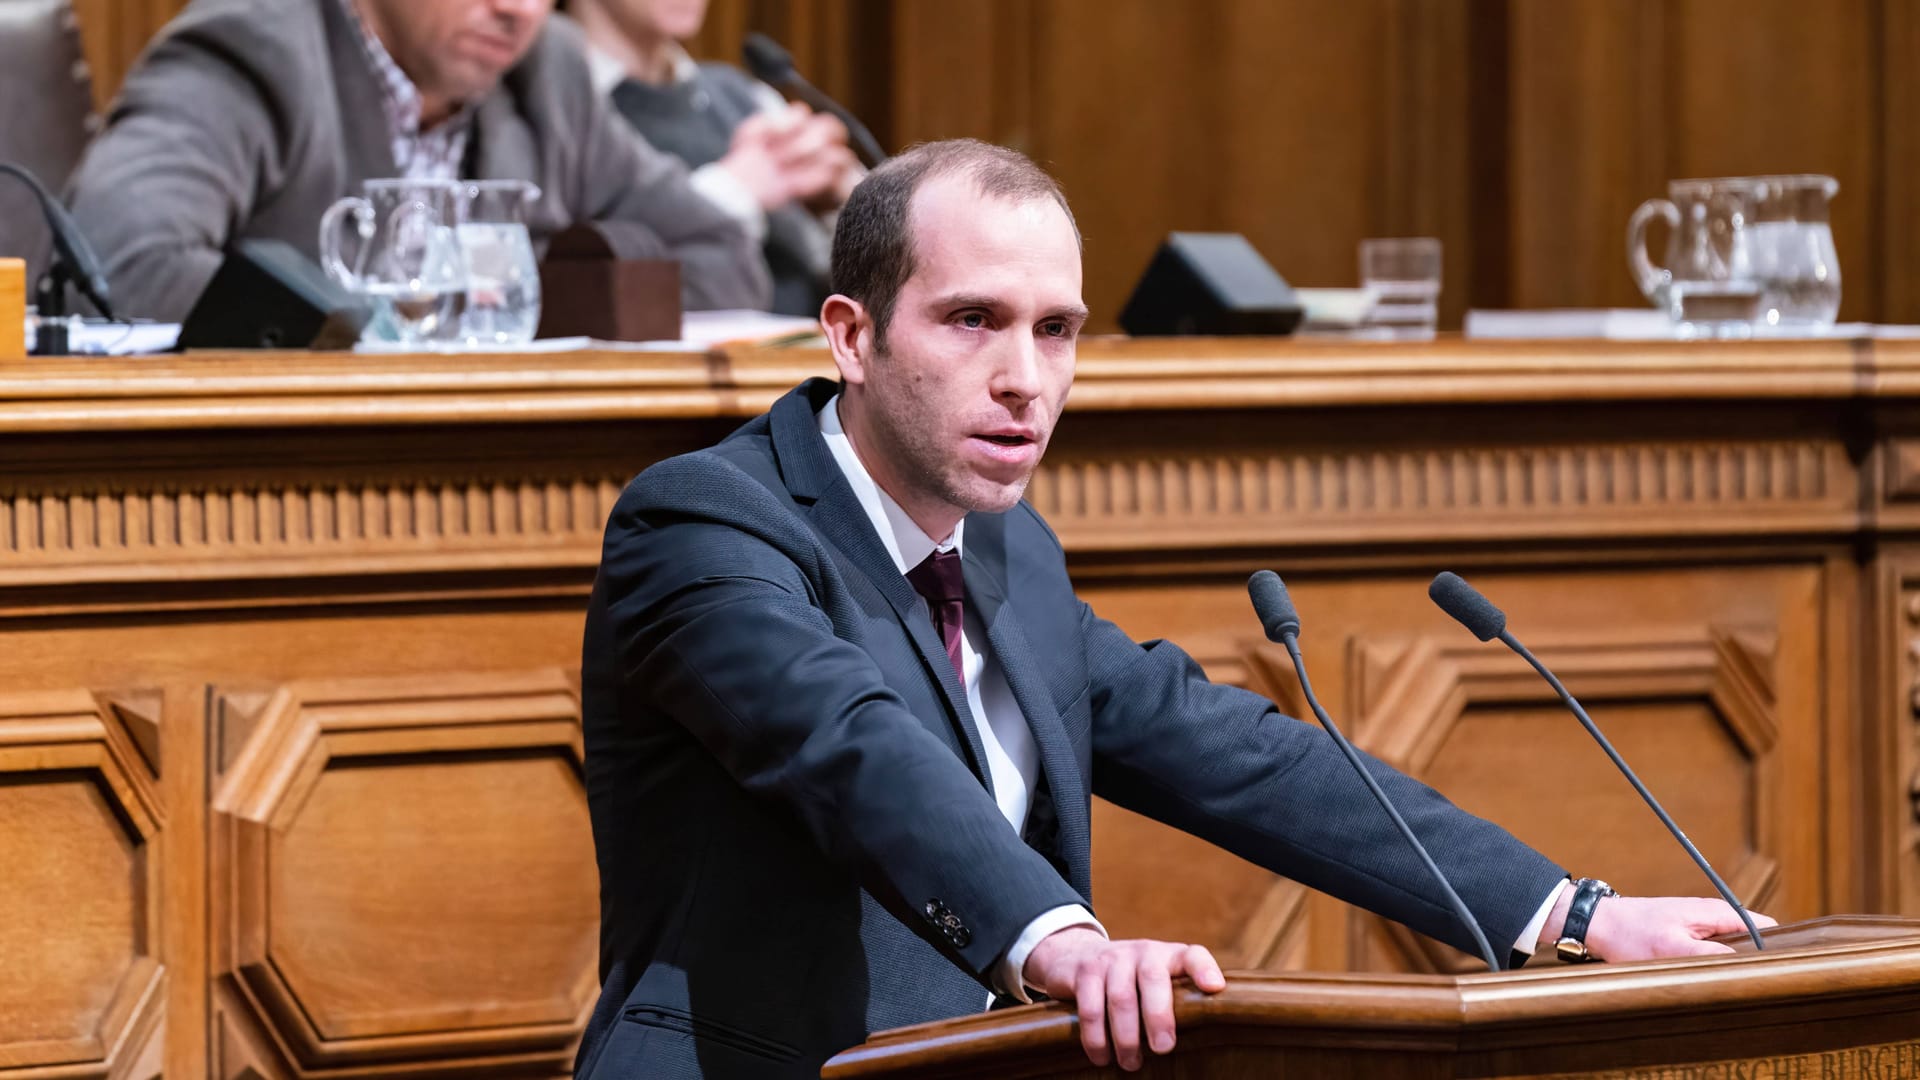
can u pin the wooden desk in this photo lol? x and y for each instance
(288, 651)
(1831, 998)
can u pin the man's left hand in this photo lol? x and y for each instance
(1650, 927)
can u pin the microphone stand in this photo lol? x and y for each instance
(50, 298)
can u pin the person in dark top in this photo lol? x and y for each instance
(779, 169)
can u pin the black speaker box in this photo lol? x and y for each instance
(1209, 283)
(267, 295)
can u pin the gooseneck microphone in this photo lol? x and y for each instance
(70, 248)
(773, 65)
(1477, 613)
(1282, 624)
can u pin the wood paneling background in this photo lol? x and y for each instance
(289, 748)
(1520, 133)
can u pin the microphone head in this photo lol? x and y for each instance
(1465, 604)
(766, 59)
(1274, 607)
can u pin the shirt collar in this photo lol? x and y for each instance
(603, 69)
(608, 72)
(398, 93)
(904, 540)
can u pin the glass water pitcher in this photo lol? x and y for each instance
(1791, 243)
(405, 257)
(503, 281)
(1708, 279)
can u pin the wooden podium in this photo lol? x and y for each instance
(1831, 999)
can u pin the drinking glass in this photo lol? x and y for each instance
(1404, 275)
(407, 258)
(503, 281)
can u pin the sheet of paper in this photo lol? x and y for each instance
(97, 337)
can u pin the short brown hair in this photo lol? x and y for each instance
(873, 241)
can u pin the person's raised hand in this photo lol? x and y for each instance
(757, 154)
(815, 156)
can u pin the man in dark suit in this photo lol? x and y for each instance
(844, 713)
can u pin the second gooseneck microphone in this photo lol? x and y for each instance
(773, 65)
(1477, 613)
(1282, 624)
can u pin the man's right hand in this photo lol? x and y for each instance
(1119, 987)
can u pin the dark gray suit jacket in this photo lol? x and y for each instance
(796, 838)
(248, 118)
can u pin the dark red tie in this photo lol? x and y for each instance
(938, 579)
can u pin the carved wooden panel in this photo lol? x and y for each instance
(376, 865)
(402, 868)
(1151, 498)
(1694, 712)
(1902, 817)
(430, 522)
(80, 900)
(1703, 679)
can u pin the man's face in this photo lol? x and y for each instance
(958, 408)
(456, 50)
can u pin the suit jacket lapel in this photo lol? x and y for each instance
(503, 145)
(985, 569)
(812, 475)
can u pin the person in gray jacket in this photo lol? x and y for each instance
(248, 118)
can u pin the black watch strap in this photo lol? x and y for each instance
(1572, 943)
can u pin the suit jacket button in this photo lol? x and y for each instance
(960, 937)
(935, 909)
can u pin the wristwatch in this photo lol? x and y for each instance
(1587, 894)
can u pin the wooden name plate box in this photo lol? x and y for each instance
(586, 290)
(13, 309)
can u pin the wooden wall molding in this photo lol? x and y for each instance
(174, 530)
(1409, 695)
(1903, 470)
(1309, 496)
(80, 919)
(223, 530)
(1906, 738)
(323, 810)
(220, 392)
(434, 757)
(1409, 692)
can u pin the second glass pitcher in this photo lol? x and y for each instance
(503, 281)
(1791, 245)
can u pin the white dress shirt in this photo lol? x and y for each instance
(435, 153)
(1013, 759)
